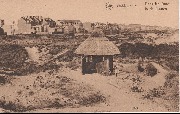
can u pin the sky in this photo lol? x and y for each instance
(94, 11)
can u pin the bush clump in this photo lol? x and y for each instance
(151, 70)
(12, 56)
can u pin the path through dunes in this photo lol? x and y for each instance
(119, 98)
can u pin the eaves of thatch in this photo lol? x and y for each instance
(97, 46)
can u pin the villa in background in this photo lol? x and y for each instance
(66, 24)
(7, 29)
(36, 25)
(88, 27)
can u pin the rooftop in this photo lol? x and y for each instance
(97, 46)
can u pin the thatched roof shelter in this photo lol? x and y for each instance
(97, 46)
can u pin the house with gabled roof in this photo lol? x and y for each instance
(35, 24)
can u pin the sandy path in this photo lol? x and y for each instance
(161, 73)
(157, 80)
(120, 99)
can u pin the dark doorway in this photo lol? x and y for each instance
(97, 64)
(88, 65)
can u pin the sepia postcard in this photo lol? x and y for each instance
(89, 56)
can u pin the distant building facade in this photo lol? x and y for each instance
(111, 29)
(88, 26)
(78, 26)
(69, 30)
(35, 24)
(134, 27)
(8, 29)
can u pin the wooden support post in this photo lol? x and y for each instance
(82, 66)
(82, 61)
(108, 65)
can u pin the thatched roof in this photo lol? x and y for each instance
(97, 46)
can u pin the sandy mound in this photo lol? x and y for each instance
(167, 94)
(47, 91)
